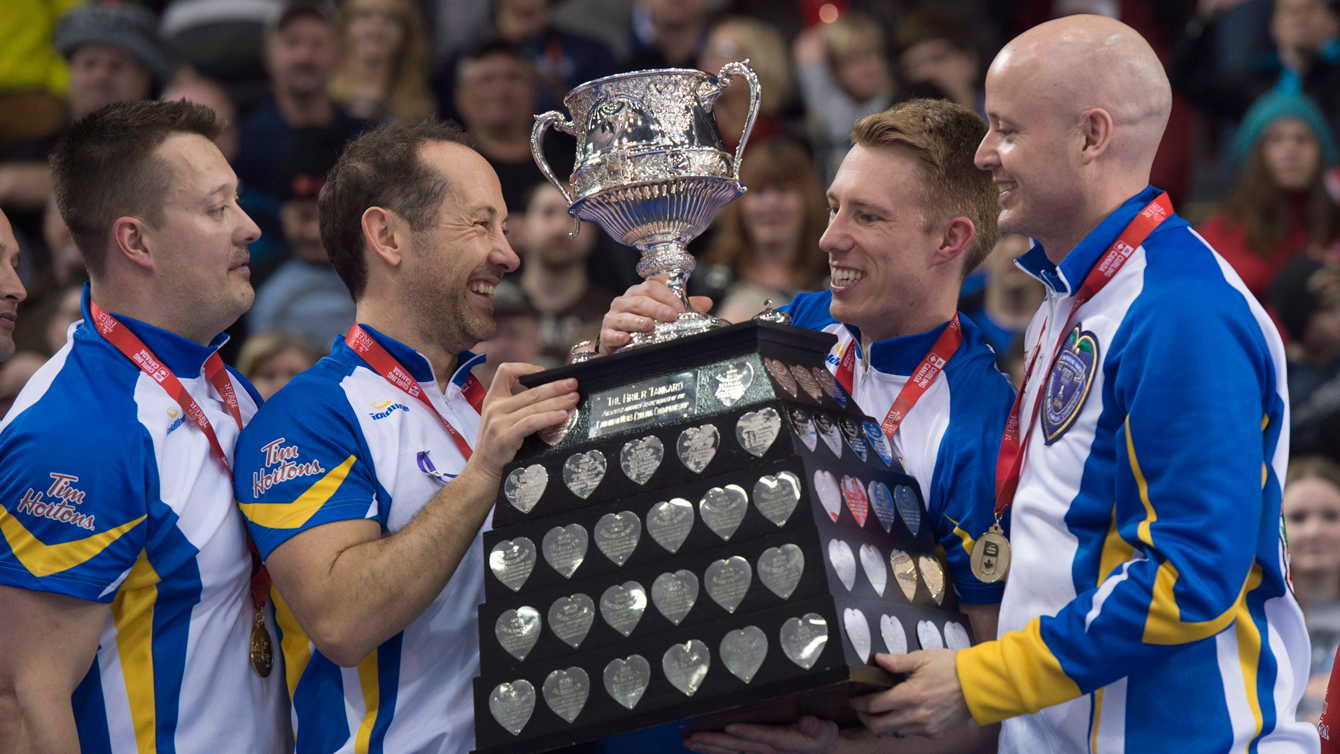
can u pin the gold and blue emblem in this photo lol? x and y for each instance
(1068, 384)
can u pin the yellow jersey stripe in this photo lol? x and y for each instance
(293, 515)
(1115, 551)
(367, 681)
(1150, 516)
(1097, 719)
(133, 616)
(1249, 650)
(295, 646)
(968, 541)
(42, 559)
(1014, 675)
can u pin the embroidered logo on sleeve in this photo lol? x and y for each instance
(281, 465)
(60, 502)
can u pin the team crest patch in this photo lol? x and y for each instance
(1069, 382)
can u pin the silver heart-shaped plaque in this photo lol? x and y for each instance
(511, 705)
(873, 564)
(757, 430)
(626, 680)
(858, 632)
(956, 636)
(565, 548)
(829, 432)
(583, 472)
(776, 496)
(566, 691)
(622, 606)
(727, 581)
(780, 569)
(803, 427)
(570, 618)
(843, 561)
(881, 500)
(518, 630)
(743, 651)
(803, 639)
(805, 378)
(697, 446)
(617, 535)
(524, 487)
(512, 560)
(640, 458)
(723, 508)
(904, 572)
(730, 384)
(674, 594)
(685, 665)
(934, 576)
(906, 501)
(929, 635)
(830, 494)
(782, 375)
(895, 638)
(670, 522)
(554, 434)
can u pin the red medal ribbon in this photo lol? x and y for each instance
(917, 383)
(134, 349)
(1010, 462)
(383, 363)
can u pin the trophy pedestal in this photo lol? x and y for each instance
(719, 535)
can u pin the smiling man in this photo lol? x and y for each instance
(378, 602)
(12, 292)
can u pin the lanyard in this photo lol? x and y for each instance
(385, 364)
(1012, 448)
(930, 367)
(134, 349)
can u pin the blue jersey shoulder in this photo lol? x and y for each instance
(811, 310)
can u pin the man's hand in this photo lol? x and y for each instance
(638, 310)
(809, 735)
(929, 703)
(508, 416)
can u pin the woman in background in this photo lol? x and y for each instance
(1311, 508)
(270, 359)
(383, 68)
(740, 38)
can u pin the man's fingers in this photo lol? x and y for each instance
(532, 423)
(505, 379)
(728, 743)
(556, 389)
(907, 663)
(701, 303)
(612, 340)
(627, 322)
(888, 724)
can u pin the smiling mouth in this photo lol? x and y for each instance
(844, 276)
(1006, 186)
(482, 288)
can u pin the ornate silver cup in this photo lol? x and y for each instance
(651, 168)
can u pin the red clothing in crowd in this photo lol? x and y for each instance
(1329, 727)
(1228, 236)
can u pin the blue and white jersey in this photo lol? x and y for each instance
(948, 441)
(340, 442)
(1148, 607)
(108, 493)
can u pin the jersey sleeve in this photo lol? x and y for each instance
(302, 462)
(73, 515)
(1190, 511)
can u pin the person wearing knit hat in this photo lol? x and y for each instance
(119, 45)
(1305, 296)
(1280, 208)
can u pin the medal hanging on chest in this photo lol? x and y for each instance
(262, 650)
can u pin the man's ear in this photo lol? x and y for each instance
(956, 236)
(387, 234)
(130, 241)
(1095, 126)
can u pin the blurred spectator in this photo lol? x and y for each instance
(844, 76)
(517, 338)
(304, 295)
(383, 68)
(1280, 208)
(495, 99)
(667, 33)
(1306, 300)
(1009, 300)
(1311, 508)
(192, 87)
(32, 76)
(1306, 59)
(224, 40)
(568, 306)
(64, 270)
(270, 359)
(936, 47)
(562, 60)
(738, 38)
(14, 374)
(768, 239)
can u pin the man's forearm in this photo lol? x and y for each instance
(31, 725)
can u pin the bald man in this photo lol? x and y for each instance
(11, 288)
(1148, 607)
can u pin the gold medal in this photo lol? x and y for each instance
(991, 555)
(262, 651)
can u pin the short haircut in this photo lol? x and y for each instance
(944, 137)
(382, 168)
(104, 167)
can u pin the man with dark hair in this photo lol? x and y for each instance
(935, 46)
(115, 466)
(910, 217)
(11, 288)
(1306, 298)
(379, 600)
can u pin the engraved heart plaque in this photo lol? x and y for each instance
(780, 569)
(622, 606)
(743, 651)
(934, 576)
(673, 594)
(906, 501)
(873, 564)
(697, 446)
(570, 618)
(929, 635)
(895, 638)
(956, 636)
(640, 458)
(583, 472)
(723, 508)
(518, 630)
(881, 500)
(524, 487)
(757, 430)
(776, 496)
(565, 548)
(512, 560)
(830, 495)
(730, 384)
(511, 705)
(626, 680)
(803, 427)
(685, 665)
(904, 572)
(803, 639)
(844, 563)
(727, 581)
(670, 522)
(858, 632)
(566, 691)
(828, 432)
(857, 503)
(617, 535)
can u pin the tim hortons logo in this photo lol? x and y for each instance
(58, 502)
(285, 467)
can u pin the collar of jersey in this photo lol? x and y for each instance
(418, 365)
(1064, 279)
(184, 357)
(899, 355)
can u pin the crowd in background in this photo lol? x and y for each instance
(1249, 156)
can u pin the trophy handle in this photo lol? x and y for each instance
(542, 124)
(727, 72)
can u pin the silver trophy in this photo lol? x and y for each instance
(651, 168)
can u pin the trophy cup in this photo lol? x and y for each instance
(717, 534)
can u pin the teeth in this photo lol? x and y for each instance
(843, 276)
(483, 289)
(1003, 187)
